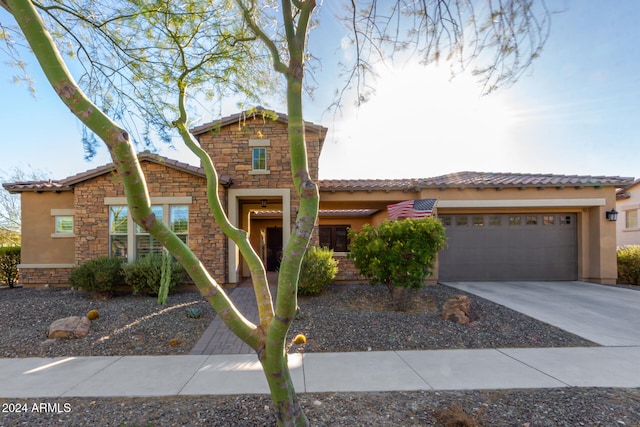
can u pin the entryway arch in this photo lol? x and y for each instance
(236, 196)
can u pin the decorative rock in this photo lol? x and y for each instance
(457, 309)
(70, 327)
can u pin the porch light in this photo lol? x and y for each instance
(263, 203)
(611, 215)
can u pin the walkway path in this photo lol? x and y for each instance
(217, 338)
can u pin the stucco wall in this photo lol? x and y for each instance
(628, 235)
(39, 243)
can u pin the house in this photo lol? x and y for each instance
(628, 206)
(500, 226)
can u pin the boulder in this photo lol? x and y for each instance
(457, 309)
(70, 327)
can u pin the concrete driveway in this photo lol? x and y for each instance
(606, 315)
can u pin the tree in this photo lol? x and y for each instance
(400, 254)
(207, 46)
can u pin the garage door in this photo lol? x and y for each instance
(509, 247)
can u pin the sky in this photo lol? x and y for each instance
(576, 111)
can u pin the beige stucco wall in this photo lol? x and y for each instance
(40, 245)
(624, 235)
(46, 257)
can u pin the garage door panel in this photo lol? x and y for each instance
(509, 247)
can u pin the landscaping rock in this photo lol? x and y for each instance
(457, 309)
(70, 327)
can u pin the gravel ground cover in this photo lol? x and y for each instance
(345, 318)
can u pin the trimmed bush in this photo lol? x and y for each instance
(399, 254)
(629, 264)
(9, 260)
(318, 270)
(100, 275)
(145, 274)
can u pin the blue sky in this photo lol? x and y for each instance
(576, 111)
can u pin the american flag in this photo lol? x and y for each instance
(415, 209)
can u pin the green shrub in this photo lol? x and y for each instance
(9, 260)
(318, 270)
(100, 275)
(629, 264)
(145, 274)
(398, 254)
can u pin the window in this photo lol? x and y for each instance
(259, 159)
(478, 221)
(64, 224)
(145, 243)
(125, 234)
(462, 221)
(259, 156)
(334, 237)
(631, 218)
(179, 221)
(446, 221)
(495, 221)
(514, 220)
(548, 219)
(532, 220)
(118, 231)
(565, 220)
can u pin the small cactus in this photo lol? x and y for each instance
(194, 312)
(300, 339)
(93, 315)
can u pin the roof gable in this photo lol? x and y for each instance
(254, 113)
(67, 184)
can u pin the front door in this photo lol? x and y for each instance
(274, 248)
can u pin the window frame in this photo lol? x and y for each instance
(60, 230)
(631, 221)
(259, 163)
(135, 234)
(333, 229)
(259, 145)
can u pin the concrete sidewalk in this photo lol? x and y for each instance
(322, 372)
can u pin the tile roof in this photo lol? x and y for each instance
(453, 180)
(37, 186)
(334, 185)
(477, 180)
(491, 179)
(623, 192)
(68, 183)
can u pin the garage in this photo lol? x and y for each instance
(515, 246)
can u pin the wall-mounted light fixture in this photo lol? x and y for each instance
(263, 203)
(611, 215)
(225, 180)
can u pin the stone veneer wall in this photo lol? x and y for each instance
(34, 277)
(92, 215)
(346, 270)
(232, 155)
